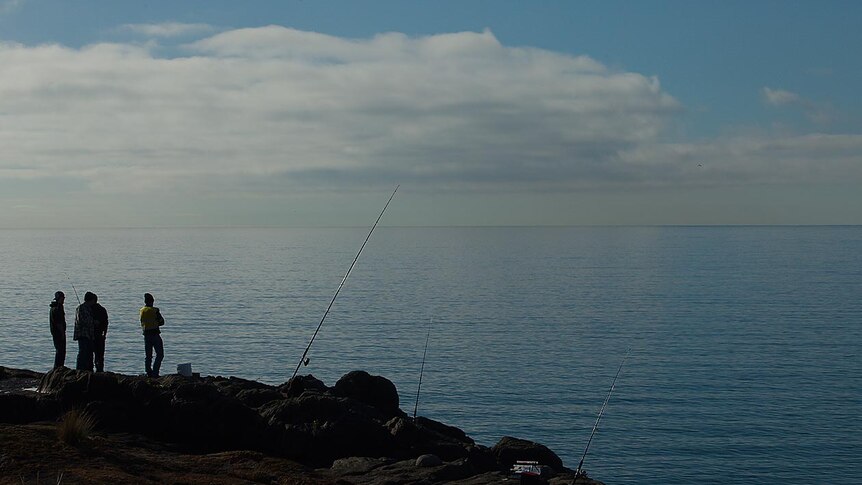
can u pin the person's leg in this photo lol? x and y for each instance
(148, 350)
(99, 353)
(60, 350)
(85, 354)
(160, 354)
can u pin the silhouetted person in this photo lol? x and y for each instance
(151, 320)
(85, 332)
(57, 321)
(101, 317)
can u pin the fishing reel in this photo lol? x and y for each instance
(306, 361)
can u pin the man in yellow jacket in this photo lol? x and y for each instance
(151, 320)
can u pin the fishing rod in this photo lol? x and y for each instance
(599, 418)
(422, 369)
(73, 289)
(304, 359)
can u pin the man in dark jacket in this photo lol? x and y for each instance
(101, 317)
(57, 322)
(85, 332)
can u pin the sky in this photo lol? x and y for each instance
(310, 113)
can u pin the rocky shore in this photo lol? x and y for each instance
(177, 429)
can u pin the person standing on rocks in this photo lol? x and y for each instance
(85, 332)
(151, 320)
(101, 317)
(57, 322)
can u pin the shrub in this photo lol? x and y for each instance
(75, 427)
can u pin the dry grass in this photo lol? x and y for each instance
(75, 427)
(39, 482)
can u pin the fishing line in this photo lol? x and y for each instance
(599, 418)
(422, 369)
(304, 359)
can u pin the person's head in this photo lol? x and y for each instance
(148, 299)
(89, 296)
(59, 296)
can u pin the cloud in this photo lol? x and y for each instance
(818, 113)
(248, 105)
(168, 29)
(266, 111)
(779, 97)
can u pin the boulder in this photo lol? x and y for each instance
(429, 460)
(376, 391)
(509, 450)
(329, 428)
(299, 384)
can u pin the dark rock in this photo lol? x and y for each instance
(20, 409)
(116, 416)
(376, 391)
(444, 431)
(355, 427)
(232, 386)
(299, 384)
(509, 450)
(482, 458)
(75, 388)
(356, 465)
(11, 373)
(202, 416)
(310, 408)
(428, 461)
(425, 436)
(255, 398)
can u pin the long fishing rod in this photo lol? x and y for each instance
(304, 359)
(422, 369)
(599, 418)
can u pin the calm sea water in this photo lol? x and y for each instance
(745, 341)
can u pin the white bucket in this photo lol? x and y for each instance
(184, 369)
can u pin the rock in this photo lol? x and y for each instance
(232, 386)
(255, 398)
(299, 384)
(202, 416)
(426, 436)
(509, 450)
(375, 391)
(355, 429)
(428, 461)
(450, 433)
(76, 388)
(20, 409)
(11, 373)
(356, 465)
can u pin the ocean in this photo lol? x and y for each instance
(744, 342)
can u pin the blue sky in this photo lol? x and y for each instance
(504, 112)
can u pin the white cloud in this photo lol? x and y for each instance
(168, 29)
(270, 110)
(252, 104)
(779, 97)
